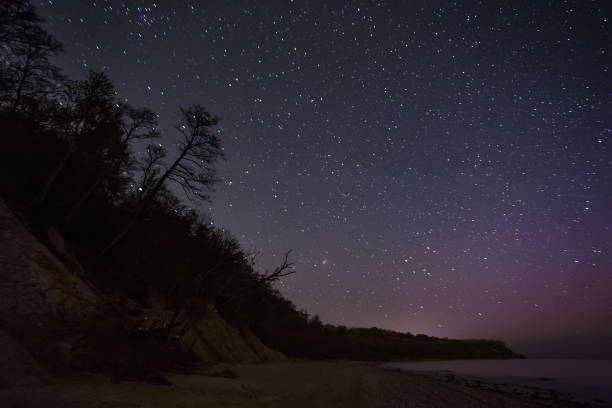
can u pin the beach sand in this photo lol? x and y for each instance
(291, 384)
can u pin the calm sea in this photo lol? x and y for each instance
(583, 380)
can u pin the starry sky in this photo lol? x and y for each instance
(436, 167)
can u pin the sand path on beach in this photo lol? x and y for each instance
(291, 384)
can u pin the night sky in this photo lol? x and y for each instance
(436, 167)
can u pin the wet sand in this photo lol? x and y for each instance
(291, 384)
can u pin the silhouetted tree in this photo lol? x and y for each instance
(136, 124)
(90, 123)
(16, 16)
(25, 52)
(150, 168)
(252, 279)
(199, 149)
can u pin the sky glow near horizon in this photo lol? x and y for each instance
(436, 167)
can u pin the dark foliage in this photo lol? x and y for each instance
(281, 326)
(26, 73)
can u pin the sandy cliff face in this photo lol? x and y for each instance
(43, 304)
(17, 366)
(210, 337)
(38, 292)
(216, 340)
(46, 302)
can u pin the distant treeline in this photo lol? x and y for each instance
(77, 158)
(277, 322)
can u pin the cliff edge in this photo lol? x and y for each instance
(49, 310)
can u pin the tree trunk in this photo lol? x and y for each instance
(146, 202)
(24, 77)
(76, 208)
(53, 177)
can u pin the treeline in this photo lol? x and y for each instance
(78, 159)
(277, 322)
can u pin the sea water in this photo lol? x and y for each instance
(582, 380)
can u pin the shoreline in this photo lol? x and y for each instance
(479, 388)
(568, 380)
(292, 384)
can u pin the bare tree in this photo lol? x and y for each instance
(199, 149)
(25, 51)
(150, 168)
(139, 124)
(15, 17)
(136, 124)
(284, 269)
(87, 105)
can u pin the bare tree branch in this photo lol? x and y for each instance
(192, 169)
(281, 271)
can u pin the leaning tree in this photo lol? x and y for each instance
(193, 168)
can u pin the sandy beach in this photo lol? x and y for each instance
(291, 384)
